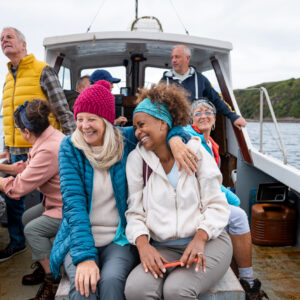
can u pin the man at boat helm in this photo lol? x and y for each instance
(196, 84)
(27, 78)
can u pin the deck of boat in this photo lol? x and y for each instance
(278, 268)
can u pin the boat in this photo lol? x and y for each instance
(137, 52)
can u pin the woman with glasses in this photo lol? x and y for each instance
(172, 216)
(40, 172)
(204, 119)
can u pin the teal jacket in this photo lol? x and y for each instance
(76, 182)
(231, 197)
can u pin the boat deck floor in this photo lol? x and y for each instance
(278, 268)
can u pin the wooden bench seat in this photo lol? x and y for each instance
(228, 288)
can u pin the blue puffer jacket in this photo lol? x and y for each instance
(76, 181)
(231, 197)
(199, 86)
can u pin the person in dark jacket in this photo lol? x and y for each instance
(196, 84)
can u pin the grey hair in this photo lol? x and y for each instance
(20, 35)
(186, 49)
(203, 102)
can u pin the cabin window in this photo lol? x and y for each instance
(153, 75)
(116, 72)
(64, 76)
(211, 76)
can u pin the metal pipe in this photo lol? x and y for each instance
(261, 116)
(264, 90)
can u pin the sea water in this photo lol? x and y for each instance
(290, 133)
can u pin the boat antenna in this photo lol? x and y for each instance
(101, 5)
(136, 9)
(179, 18)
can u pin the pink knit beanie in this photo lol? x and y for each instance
(98, 100)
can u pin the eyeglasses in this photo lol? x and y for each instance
(206, 113)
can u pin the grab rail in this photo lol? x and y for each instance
(263, 91)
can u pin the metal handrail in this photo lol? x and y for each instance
(263, 91)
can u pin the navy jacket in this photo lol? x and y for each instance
(204, 90)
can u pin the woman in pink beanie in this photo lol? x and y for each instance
(91, 241)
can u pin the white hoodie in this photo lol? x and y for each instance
(164, 213)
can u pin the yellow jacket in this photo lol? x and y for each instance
(16, 92)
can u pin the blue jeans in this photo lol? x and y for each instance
(15, 210)
(115, 263)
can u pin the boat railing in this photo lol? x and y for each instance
(264, 94)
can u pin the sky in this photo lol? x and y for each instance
(265, 34)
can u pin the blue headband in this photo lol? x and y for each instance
(157, 110)
(22, 111)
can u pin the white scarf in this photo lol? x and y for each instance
(96, 155)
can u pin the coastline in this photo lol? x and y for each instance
(279, 120)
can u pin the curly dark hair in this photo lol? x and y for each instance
(37, 113)
(173, 96)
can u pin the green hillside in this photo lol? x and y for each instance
(284, 95)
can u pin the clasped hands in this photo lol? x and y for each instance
(154, 262)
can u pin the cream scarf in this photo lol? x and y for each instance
(101, 157)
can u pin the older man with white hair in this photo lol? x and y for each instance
(196, 84)
(27, 79)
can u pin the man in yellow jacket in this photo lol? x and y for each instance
(27, 79)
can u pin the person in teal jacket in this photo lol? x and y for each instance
(204, 118)
(213, 148)
(91, 240)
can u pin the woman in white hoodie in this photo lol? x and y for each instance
(172, 216)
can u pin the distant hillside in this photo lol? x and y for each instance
(284, 95)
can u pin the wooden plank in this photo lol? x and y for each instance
(228, 288)
(226, 95)
(62, 292)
